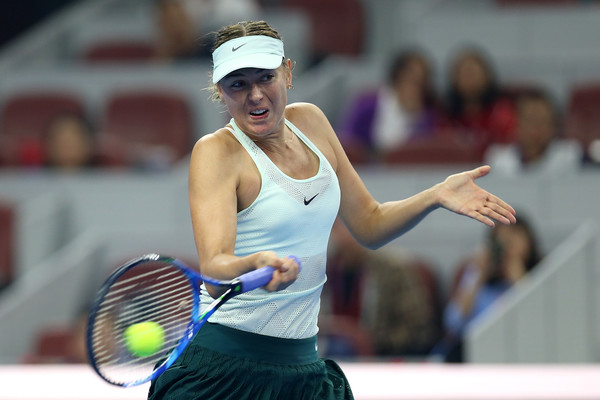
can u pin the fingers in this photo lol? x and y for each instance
(479, 216)
(500, 210)
(494, 209)
(480, 171)
(286, 273)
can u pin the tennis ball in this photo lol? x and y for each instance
(144, 339)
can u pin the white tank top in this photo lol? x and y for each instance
(290, 217)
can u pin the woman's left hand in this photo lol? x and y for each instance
(460, 194)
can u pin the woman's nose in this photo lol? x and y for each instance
(255, 93)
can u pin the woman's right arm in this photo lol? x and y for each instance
(214, 176)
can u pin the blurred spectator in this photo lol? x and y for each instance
(179, 37)
(210, 15)
(69, 143)
(185, 26)
(375, 303)
(337, 27)
(539, 145)
(403, 109)
(475, 110)
(510, 252)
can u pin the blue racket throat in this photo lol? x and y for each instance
(166, 292)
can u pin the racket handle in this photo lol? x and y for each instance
(259, 277)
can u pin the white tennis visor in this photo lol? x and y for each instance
(255, 51)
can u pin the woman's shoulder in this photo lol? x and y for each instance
(220, 143)
(313, 123)
(301, 109)
(305, 114)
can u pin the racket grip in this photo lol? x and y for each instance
(259, 277)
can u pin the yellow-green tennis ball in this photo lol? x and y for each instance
(144, 339)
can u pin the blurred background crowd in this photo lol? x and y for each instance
(102, 100)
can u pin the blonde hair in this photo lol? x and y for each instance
(237, 30)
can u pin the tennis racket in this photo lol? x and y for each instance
(160, 291)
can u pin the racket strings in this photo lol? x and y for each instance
(125, 286)
(171, 337)
(153, 312)
(153, 291)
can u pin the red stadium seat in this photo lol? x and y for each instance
(583, 119)
(57, 345)
(7, 243)
(513, 91)
(53, 342)
(437, 150)
(338, 26)
(538, 3)
(119, 52)
(140, 127)
(23, 119)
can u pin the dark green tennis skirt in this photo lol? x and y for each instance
(223, 363)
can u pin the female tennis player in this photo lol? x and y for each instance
(267, 185)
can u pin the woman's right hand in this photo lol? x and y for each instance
(286, 270)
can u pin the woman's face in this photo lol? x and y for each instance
(470, 77)
(174, 22)
(411, 84)
(256, 98)
(535, 127)
(511, 243)
(68, 144)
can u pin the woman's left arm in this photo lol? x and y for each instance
(374, 224)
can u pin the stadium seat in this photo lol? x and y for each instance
(23, 119)
(145, 128)
(443, 149)
(55, 345)
(583, 119)
(513, 91)
(7, 238)
(114, 51)
(338, 26)
(538, 3)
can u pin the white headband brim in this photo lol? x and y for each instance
(256, 51)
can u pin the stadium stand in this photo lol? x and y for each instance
(23, 118)
(7, 243)
(138, 123)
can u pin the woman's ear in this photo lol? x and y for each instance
(219, 93)
(290, 67)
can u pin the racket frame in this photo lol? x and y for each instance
(249, 281)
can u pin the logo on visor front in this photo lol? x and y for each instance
(237, 48)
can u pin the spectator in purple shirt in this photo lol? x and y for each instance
(382, 119)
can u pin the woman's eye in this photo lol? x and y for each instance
(268, 77)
